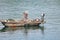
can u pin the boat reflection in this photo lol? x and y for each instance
(31, 28)
(34, 28)
(25, 28)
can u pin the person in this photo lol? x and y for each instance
(26, 15)
(42, 17)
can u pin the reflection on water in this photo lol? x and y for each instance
(34, 28)
(25, 28)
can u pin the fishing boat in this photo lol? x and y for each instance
(23, 22)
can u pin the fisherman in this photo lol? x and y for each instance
(42, 17)
(26, 15)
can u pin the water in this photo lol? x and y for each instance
(14, 9)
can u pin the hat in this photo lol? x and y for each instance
(25, 11)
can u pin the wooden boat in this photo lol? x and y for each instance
(23, 22)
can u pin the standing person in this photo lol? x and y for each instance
(26, 15)
(42, 17)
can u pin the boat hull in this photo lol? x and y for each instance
(19, 24)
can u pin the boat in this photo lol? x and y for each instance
(23, 22)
